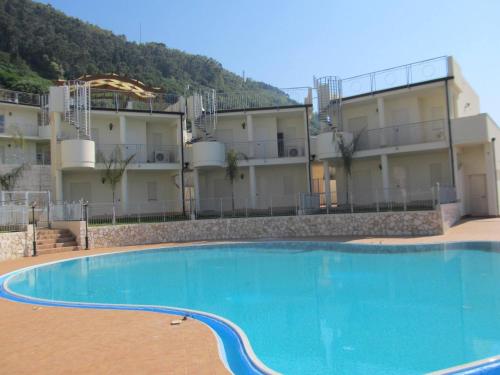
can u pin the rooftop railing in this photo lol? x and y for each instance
(119, 100)
(142, 153)
(17, 97)
(400, 76)
(247, 99)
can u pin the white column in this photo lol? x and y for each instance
(55, 155)
(123, 130)
(124, 191)
(384, 162)
(253, 186)
(326, 176)
(381, 120)
(196, 182)
(307, 154)
(249, 121)
(58, 185)
(490, 179)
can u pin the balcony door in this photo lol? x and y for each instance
(478, 198)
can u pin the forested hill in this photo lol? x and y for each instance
(39, 43)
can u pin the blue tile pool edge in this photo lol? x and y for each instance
(234, 347)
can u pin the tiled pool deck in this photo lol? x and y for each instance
(43, 340)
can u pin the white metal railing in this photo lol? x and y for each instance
(269, 149)
(39, 158)
(400, 76)
(119, 100)
(404, 134)
(247, 99)
(18, 97)
(13, 217)
(141, 153)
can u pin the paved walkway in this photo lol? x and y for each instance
(51, 340)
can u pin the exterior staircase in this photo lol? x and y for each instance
(51, 241)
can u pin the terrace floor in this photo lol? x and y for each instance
(50, 340)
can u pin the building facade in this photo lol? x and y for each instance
(417, 129)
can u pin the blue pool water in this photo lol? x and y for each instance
(310, 308)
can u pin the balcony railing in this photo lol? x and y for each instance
(268, 149)
(18, 97)
(142, 153)
(118, 100)
(402, 135)
(39, 158)
(400, 76)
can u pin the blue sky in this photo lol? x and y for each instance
(286, 42)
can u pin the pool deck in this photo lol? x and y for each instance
(52, 340)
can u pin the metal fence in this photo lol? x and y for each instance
(142, 153)
(400, 135)
(268, 149)
(18, 97)
(400, 76)
(119, 100)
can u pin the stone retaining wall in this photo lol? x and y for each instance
(13, 245)
(361, 224)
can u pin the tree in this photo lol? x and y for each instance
(232, 167)
(8, 180)
(347, 150)
(114, 167)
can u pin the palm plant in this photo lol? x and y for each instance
(347, 150)
(114, 167)
(232, 168)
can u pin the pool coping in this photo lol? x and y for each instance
(247, 356)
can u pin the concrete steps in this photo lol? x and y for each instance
(50, 241)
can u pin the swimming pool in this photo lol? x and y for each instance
(305, 307)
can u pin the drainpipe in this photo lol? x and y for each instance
(496, 173)
(308, 149)
(450, 139)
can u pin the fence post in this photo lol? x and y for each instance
(327, 203)
(221, 211)
(438, 194)
(403, 191)
(352, 203)
(376, 200)
(86, 213)
(271, 204)
(34, 227)
(246, 207)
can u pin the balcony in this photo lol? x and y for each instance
(17, 97)
(208, 154)
(391, 136)
(272, 149)
(77, 154)
(142, 153)
(18, 158)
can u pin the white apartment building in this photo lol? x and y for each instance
(272, 145)
(24, 139)
(417, 125)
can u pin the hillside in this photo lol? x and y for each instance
(39, 44)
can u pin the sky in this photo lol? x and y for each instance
(286, 43)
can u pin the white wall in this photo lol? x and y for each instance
(25, 119)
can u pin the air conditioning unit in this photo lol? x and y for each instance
(293, 152)
(161, 157)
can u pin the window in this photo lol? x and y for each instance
(152, 188)
(2, 123)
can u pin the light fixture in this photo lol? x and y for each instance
(243, 125)
(110, 126)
